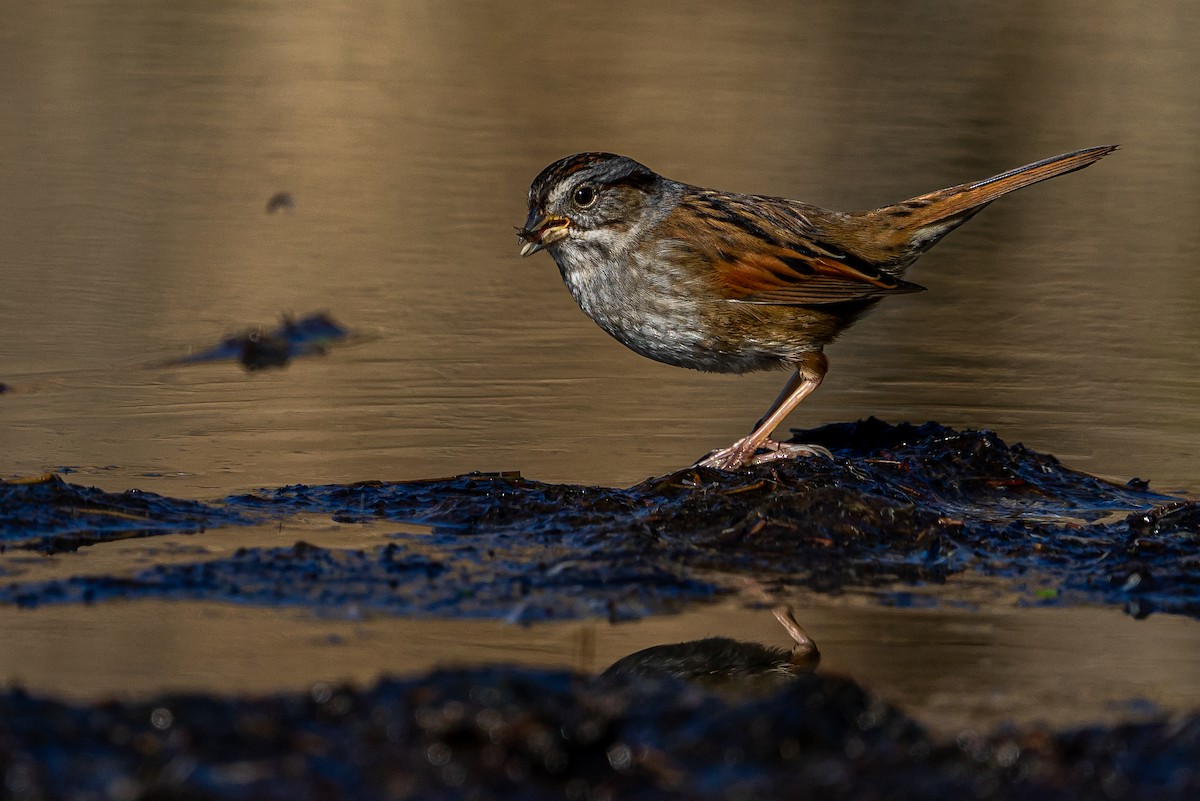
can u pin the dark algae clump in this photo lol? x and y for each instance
(525, 734)
(896, 505)
(261, 348)
(453, 583)
(49, 515)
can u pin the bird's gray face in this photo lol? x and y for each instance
(586, 199)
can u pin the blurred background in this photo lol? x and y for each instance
(139, 144)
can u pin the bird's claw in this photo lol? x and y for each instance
(740, 454)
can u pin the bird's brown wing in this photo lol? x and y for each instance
(770, 251)
(791, 276)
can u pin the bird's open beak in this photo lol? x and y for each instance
(541, 231)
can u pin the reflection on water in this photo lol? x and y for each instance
(141, 144)
(947, 668)
(724, 660)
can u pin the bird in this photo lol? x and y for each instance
(731, 283)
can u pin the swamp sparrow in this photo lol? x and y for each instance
(728, 283)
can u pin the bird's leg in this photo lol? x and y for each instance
(789, 389)
(805, 654)
(810, 370)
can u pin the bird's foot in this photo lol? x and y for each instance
(771, 451)
(746, 452)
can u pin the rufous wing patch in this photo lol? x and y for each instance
(793, 277)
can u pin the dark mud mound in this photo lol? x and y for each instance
(898, 505)
(472, 504)
(49, 515)
(907, 504)
(509, 734)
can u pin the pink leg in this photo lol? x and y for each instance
(805, 654)
(810, 370)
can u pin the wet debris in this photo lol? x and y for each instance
(530, 735)
(896, 506)
(281, 201)
(260, 348)
(456, 582)
(47, 514)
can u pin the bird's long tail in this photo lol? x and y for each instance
(912, 226)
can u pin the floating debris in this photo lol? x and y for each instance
(281, 201)
(257, 349)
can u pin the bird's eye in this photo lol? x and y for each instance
(584, 196)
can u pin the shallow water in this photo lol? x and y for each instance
(141, 143)
(983, 658)
(952, 670)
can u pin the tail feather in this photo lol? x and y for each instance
(912, 226)
(945, 203)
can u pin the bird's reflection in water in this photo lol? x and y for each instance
(725, 661)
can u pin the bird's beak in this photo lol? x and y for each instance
(541, 231)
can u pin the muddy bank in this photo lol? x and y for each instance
(896, 506)
(521, 734)
(50, 515)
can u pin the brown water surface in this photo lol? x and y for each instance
(139, 144)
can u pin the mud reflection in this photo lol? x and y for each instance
(723, 660)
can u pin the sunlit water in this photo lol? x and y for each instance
(140, 142)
